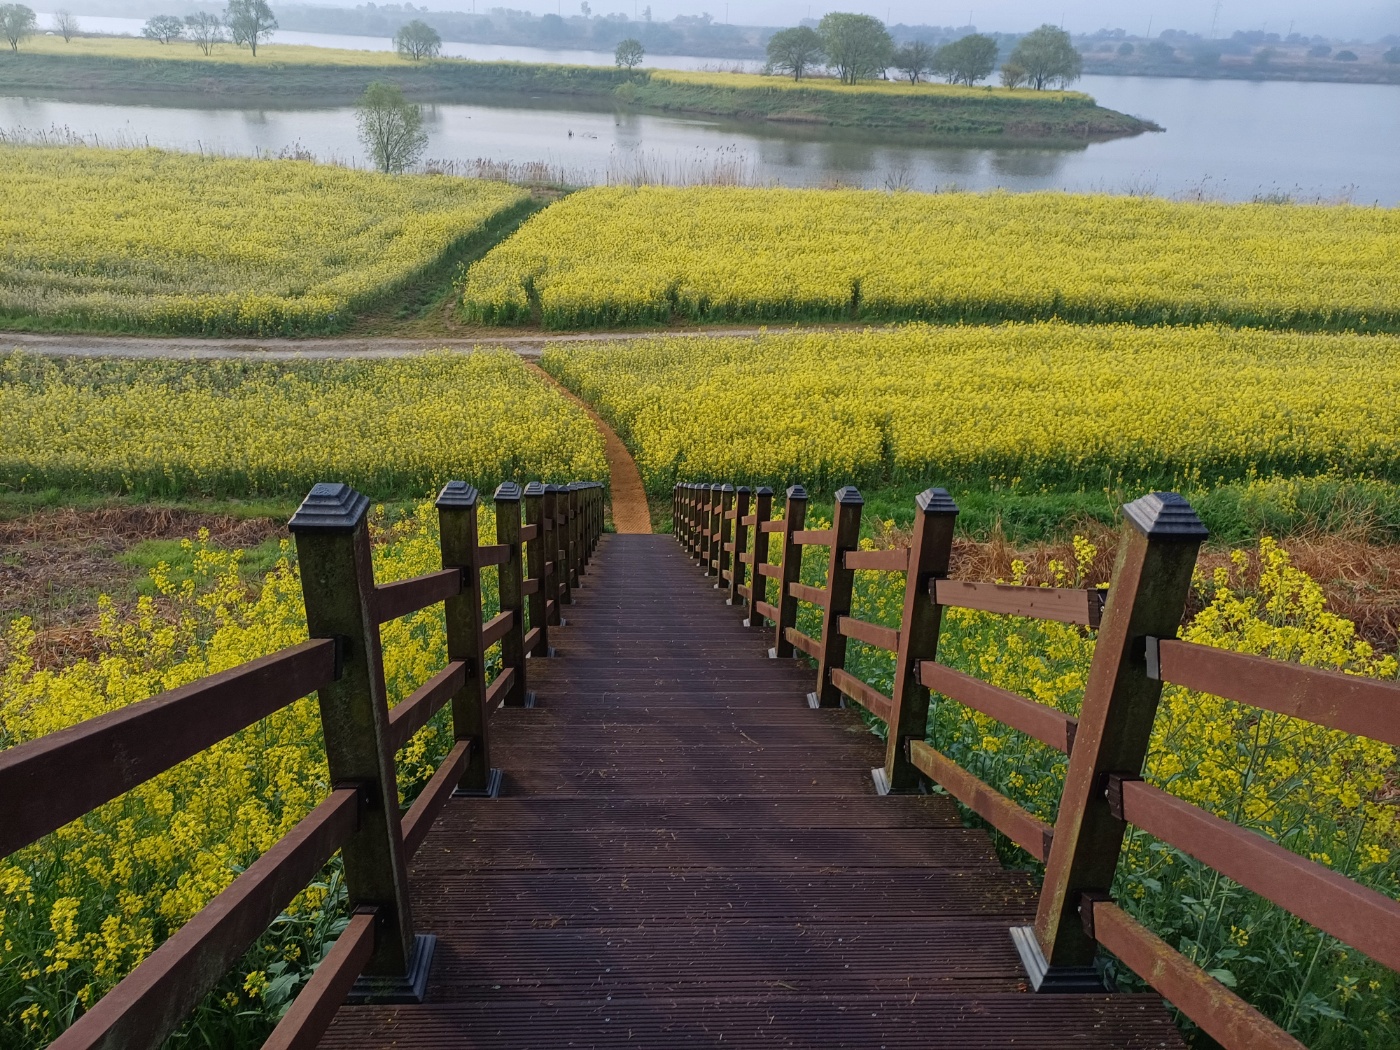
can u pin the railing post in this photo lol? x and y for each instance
(675, 510)
(930, 553)
(758, 583)
(509, 581)
(337, 582)
(550, 510)
(535, 555)
(840, 585)
(709, 496)
(576, 553)
(457, 524)
(723, 560)
(699, 516)
(693, 537)
(795, 517)
(740, 534)
(1151, 582)
(562, 569)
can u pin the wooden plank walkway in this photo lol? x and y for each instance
(688, 855)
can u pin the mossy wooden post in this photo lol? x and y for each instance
(562, 552)
(708, 497)
(723, 559)
(550, 510)
(575, 534)
(930, 553)
(535, 567)
(740, 533)
(795, 517)
(510, 579)
(676, 512)
(337, 583)
(697, 537)
(758, 583)
(1151, 582)
(840, 586)
(457, 524)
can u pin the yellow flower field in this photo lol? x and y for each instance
(391, 428)
(724, 254)
(1045, 403)
(751, 81)
(148, 240)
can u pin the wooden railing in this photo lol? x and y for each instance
(726, 530)
(380, 957)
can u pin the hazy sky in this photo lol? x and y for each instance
(1338, 17)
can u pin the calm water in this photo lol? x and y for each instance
(1224, 139)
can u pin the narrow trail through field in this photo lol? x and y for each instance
(630, 512)
(330, 348)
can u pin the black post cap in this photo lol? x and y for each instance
(330, 507)
(1165, 516)
(935, 501)
(534, 488)
(507, 492)
(457, 495)
(796, 492)
(850, 496)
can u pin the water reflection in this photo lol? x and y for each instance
(1224, 139)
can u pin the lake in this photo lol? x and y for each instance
(1224, 139)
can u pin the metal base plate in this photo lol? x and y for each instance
(882, 782)
(1046, 978)
(814, 701)
(408, 989)
(493, 787)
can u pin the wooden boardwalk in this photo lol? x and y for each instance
(689, 855)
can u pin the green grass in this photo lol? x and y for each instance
(178, 558)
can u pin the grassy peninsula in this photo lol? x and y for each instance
(104, 68)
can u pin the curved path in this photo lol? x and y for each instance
(630, 512)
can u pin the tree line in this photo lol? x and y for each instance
(858, 47)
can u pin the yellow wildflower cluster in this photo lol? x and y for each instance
(81, 907)
(143, 239)
(727, 254)
(240, 427)
(931, 91)
(1045, 402)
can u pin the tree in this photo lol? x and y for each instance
(1320, 51)
(587, 11)
(1264, 56)
(794, 50)
(1157, 51)
(205, 30)
(968, 60)
(629, 53)
(1392, 56)
(418, 40)
(65, 24)
(1346, 56)
(17, 24)
(914, 60)
(1012, 75)
(859, 46)
(1126, 49)
(1048, 57)
(391, 127)
(249, 21)
(164, 28)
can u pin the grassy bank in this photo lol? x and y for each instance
(107, 67)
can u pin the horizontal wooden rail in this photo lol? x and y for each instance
(749, 519)
(766, 610)
(746, 557)
(728, 547)
(870, 698)
(773, 572)
(413, 713)
(315, 1006)
(532, 636)
(813, 537)
(811, 595)
(497, 689)
(496, 628)
(1222, 1014)
(57, 778)
(1030, 833)
(1065, 604)
(731, 515)
(436, 792)
(773, 526)
(743, 590)
(806, 643)
(495, 554)
(1358, 916)
(529, 587)
(1367, 707)
(528, 533)
(870, 633)
(392, 600)
(896, 560)
(1051, 727)
(154, 999)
